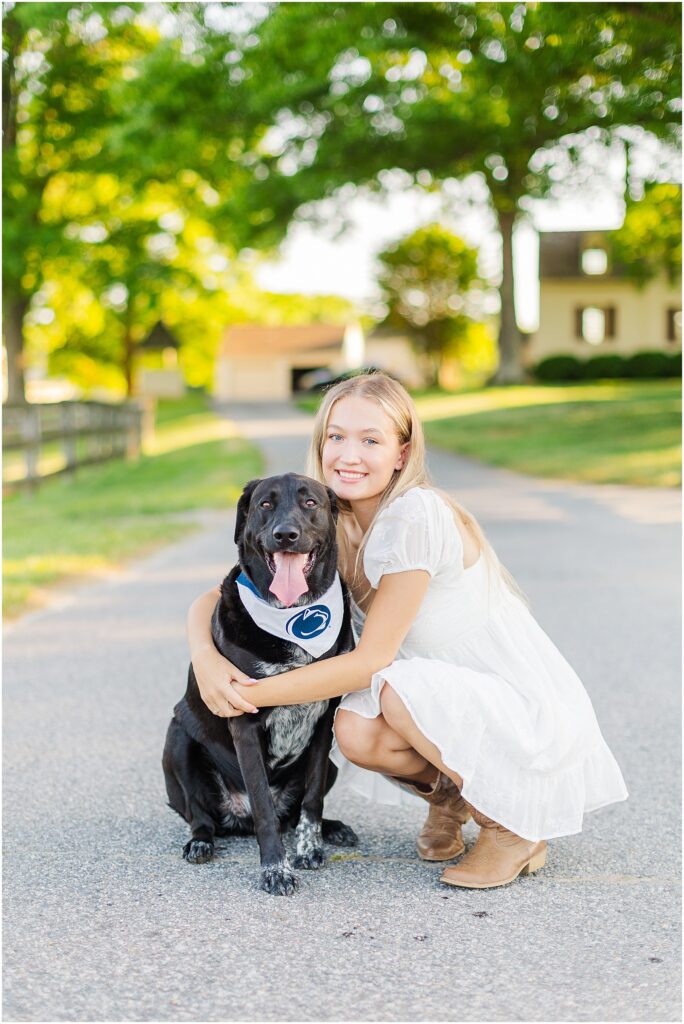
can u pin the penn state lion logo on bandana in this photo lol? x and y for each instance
(309, 622)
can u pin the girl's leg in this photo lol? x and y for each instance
(397, 717)
(499, 855)
(371, 743)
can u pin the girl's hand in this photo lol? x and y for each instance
(215, 676)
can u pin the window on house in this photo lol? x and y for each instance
(594, 261)
(674, 325)
(595, 325)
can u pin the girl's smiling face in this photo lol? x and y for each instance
(361, 450)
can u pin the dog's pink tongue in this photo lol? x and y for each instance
(289, 581)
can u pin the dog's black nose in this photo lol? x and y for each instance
(286, 532)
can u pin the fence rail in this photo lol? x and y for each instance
(44, 440)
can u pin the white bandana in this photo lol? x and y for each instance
(314, 627)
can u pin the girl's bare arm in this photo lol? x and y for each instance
(394, 608)
(215, 675)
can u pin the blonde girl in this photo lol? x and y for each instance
(454, 693)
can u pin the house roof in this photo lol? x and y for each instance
(160, 337)
(560, 254)
(385, 331)
(257, 340)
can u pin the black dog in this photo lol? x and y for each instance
(258, 773)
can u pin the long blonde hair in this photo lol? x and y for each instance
(398, 405)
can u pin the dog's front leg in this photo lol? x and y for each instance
(310, 853)
(250, 744)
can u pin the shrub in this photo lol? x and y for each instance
(558, 368)
(604, 367)
(648, 365)
(644, 365)
(674, 364)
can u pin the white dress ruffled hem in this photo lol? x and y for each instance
(542, 805)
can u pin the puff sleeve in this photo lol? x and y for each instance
(413, 532)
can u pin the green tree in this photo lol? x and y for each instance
(343, 92)
(650, 239)
(95, 168)
(61, 64)
(114, 129)
(427, 280)
(139, 246)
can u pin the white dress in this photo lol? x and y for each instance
(484, 683)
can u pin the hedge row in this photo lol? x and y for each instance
(643, 365)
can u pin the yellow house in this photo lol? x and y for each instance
(588, 307)
(260, 363)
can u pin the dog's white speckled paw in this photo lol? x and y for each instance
(278, 879)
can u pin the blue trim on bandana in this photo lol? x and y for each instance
(246, 582)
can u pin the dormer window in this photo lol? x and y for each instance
(594, 261)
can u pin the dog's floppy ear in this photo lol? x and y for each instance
(243, 508)
(333, 503)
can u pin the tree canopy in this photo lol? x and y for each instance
(61, 66)
(650, 239)
(147, 146)
(349, 91)
(114, 195)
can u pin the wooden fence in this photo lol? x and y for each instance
(45, 439)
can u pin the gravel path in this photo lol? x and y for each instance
(105, 921)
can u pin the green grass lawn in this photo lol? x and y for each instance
(74, 528)
(309, 403)
(625, 432)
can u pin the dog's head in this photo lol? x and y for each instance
(285, 535)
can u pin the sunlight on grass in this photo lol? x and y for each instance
(25, 579)
(644, 467)
(193, 430)
(437, 407)
(14, 465)
(622, 432)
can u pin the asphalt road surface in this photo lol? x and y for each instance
(103, 919)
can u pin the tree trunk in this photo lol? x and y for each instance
(436, 369)
(429, 366)
(129, 346)
(15, 308)
(510, 369)
(15, 311)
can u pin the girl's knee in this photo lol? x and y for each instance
(357, 737)
(343, 728)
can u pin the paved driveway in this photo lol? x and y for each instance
(105, 921)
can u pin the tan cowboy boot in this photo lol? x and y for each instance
(440, 837)
(497, 858)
